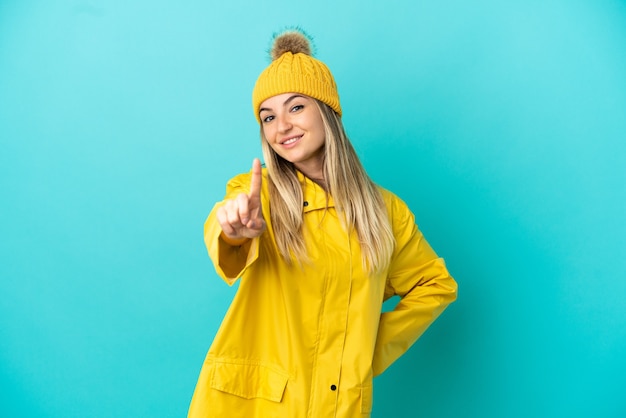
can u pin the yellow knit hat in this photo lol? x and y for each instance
(294, 70)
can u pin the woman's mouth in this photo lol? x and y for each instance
(291, 140)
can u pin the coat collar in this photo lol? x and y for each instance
(315, 197)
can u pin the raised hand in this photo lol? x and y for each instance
(241, 218)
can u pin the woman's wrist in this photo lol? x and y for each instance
(235, 242)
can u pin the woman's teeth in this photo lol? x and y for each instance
(291, 141)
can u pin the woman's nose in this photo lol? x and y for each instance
(284, 125)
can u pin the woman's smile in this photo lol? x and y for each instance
(291, 140)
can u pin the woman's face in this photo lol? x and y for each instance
(293, 127)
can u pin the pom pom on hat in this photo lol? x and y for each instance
(295, 70)
(295, 41)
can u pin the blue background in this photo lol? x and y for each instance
(502, 124)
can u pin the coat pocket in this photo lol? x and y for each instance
(366, 399)
(249, 380)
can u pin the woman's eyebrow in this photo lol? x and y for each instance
(295, 96)
(285, 103)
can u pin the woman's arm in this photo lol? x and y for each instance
(233, 228)
(424, 285)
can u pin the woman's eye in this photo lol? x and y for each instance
(268, 119)
(297, 107)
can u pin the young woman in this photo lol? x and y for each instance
(318, 248)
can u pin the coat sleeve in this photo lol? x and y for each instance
(230, 261)
(423, 283)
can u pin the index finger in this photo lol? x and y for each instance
(255, 182)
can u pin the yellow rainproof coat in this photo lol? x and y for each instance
(306, 341)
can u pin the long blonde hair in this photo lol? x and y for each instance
(354, 193)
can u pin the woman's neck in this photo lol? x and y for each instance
(316, 176)
(314, 172)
